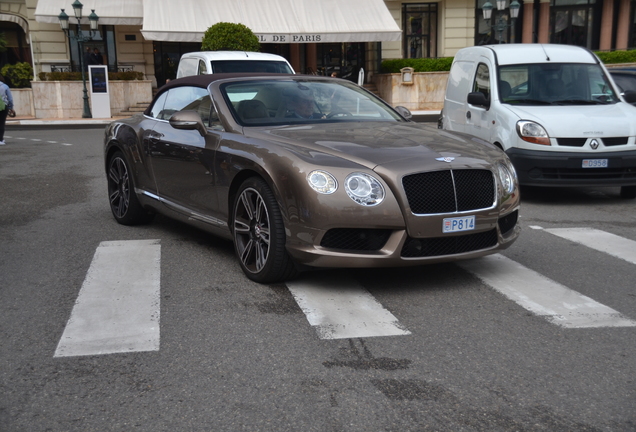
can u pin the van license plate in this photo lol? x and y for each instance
(594, 163)
(465, 223)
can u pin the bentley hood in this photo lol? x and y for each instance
(411, 146)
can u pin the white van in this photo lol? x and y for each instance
(209, 62)
(553, 109)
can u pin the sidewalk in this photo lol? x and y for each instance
(31, 121)
(418, 116)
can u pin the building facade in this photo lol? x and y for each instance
(344, 36)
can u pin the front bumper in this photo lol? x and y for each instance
(543, 168)
(396, 248)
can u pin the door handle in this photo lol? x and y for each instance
(468, 115)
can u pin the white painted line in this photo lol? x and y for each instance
(340, 308)
(542, 296)
(117, 309)
(609, 243)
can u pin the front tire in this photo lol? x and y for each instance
(121, 193)
(259, 234)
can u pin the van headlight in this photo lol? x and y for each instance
(364, 189)
(532, 132)
(507, 176)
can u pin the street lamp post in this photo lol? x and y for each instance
(80, 39)
(501, 25)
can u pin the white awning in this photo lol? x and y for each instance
(18, 20)
(273, 21)
(111, 12)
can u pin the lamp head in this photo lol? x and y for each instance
(77, 9)
(487, 10)
(63, 17)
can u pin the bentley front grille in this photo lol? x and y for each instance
(449, 191)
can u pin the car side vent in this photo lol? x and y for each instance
(355, 239)
(449, 191)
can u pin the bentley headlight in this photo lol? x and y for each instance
(508, 177)
(532, 132)
(322, 182)
(364, 189)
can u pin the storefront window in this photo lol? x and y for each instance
(572, 22)
(17, 47)
(103, 40)
(486, 32)
(420, 30)
(345, 59)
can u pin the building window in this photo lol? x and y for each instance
(103, 41)
(420, 30)
(486, 32)
(575, 22)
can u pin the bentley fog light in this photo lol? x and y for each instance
(364, 189)
(532, 132)
(322, 182)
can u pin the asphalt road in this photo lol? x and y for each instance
(238, 356)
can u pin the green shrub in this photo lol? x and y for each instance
(418, 64)
(19, 75)
(610, 57)
(231, 37)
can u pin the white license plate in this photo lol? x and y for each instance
(464, 223)
(594, 163)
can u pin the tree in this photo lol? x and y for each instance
(229, 37)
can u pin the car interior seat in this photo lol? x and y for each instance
(249, 110)
(504, 90)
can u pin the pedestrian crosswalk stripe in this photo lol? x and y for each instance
(602, 241)
(117, 309)
(543, 296)
(339, 308)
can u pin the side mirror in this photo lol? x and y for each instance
(404, 112)
(478, 99)
(630, 96)
(188, 120)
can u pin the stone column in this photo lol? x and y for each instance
(544, 21)
(528, 21)
(622, 28)
(607, 14)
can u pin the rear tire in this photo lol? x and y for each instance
(628, 192)
(259, 234)
(121, 193)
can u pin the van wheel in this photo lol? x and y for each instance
(628, 192)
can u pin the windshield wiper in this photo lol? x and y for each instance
(578, 102)
(527, 101)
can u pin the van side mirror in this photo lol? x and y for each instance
(630, 96)
(188, 120)
(478, 99)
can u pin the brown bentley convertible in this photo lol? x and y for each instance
(307, 171)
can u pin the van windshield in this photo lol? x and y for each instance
(555, 84)
(239, 66)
